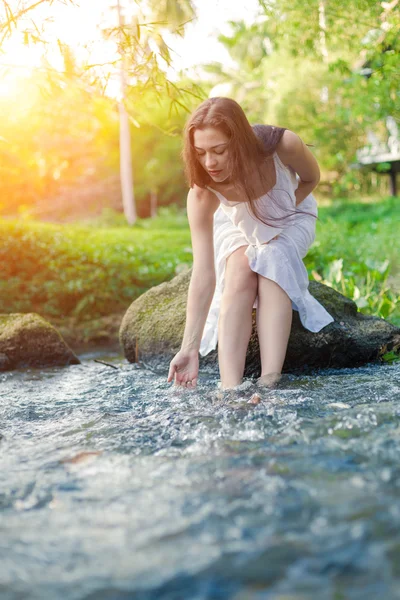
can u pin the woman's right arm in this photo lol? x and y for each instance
(201, 206)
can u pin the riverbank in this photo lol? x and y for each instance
(82, 277)
(91, 336)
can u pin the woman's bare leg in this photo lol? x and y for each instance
(235, 320)
(274, 321)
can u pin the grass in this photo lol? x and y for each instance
(90, 270)
(357, 251)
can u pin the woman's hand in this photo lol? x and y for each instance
(185, 368)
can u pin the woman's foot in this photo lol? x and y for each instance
(269, 380)
(236, 396)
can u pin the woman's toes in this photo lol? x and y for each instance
(255, 399)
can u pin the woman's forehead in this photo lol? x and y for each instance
(209, 137)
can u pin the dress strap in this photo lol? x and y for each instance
(278, 161)
(220, 196)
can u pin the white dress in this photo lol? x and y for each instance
(279, 260)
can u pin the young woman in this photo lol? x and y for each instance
(252, 221)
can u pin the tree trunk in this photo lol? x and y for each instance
(153, 204)
(128, 198)
(322, 31)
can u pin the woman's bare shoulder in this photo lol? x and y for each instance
(294, 153)
(289, 144)
(203, 199)
(202, 194)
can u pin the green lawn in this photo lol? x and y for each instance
(87, 271)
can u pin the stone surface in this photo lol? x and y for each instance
(154, 323)
(4, 362)
(28, 340)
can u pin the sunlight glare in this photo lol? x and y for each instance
(81, 26)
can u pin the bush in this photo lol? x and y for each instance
(70, 270)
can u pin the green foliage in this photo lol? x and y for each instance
(43, 155)
(100, 268)
(391, 357)
(330, 78)
(357, 252)
(66, 166)
(84, 271)
(168, 218)
(50, 151)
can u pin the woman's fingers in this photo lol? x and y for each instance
(184, 381)
(172, 370)
(180, 379)
(191, 383)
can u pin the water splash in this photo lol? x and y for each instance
(113, 484)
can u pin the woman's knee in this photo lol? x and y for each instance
(239, 278)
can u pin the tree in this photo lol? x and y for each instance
(143, 55)
(308, 77)
(171, 16)
(366, 32)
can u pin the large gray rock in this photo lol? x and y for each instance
(27, 340)
(154, 323)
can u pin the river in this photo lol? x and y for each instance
(115, 486)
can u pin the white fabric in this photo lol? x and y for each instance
(279, 260)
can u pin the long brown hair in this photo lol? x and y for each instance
(249, 148)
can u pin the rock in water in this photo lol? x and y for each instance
(28, 340)
(4, 362)
(154, 323)
(153, 326)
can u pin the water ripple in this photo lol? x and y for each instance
(113, 485)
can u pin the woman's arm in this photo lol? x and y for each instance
(201, 206)
(294, 153)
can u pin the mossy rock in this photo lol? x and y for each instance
(153, 327)
(27, 340)
(154, 323)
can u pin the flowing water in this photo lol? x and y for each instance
(114, 485)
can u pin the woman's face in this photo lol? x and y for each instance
(211, 147)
